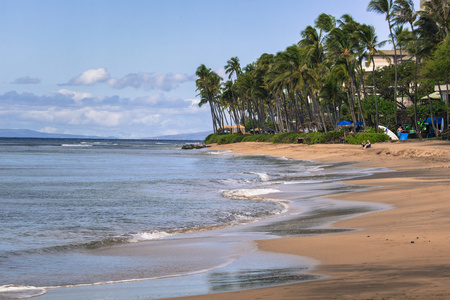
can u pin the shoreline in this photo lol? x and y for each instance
(402, 253)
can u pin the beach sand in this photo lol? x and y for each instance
(401, 253)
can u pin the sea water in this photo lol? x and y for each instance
(88, 212)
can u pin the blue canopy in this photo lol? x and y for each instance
(344, 123)
(359, 123)
(438, 121)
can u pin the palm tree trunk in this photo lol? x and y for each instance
(431, 110)
(359, 102)
(395, 61)
(377, 122)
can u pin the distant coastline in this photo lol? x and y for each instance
(27, 133)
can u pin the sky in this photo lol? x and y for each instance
(126, 68)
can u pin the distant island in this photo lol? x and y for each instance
(26, 133)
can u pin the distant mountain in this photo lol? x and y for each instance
(26, 133)
(197, 136)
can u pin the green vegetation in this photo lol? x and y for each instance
(330, 75)
(331, 137)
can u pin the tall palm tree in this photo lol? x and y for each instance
(369, 40)
(233, 67)
(342, 44)
(351, 28)
(433, 24)
(405, 13)
(208, 84)
(386, 7)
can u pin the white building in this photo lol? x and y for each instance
(387, 58)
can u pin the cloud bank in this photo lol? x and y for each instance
(26, 80)
(142, 80)
(73, 112)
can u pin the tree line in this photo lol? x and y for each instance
(322, 79)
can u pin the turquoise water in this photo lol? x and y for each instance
(77, 212)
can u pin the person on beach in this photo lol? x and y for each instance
(399, 130)
(363, 144)
(368, 144)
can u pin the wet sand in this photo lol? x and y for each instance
(402, 253)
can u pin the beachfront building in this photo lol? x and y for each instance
(443, 90)
(387, 57)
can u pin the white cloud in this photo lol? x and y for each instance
(75, 96)
(103, 117)
(49, 130)
(148, 120)
(26, 80)
(114, 116)
(165, 82)
(90, 77)
(142, 80)
(83, 116)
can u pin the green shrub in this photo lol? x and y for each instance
(316, 138)
(292, 138)
(279, 137)
(333, 136)
(258, 138)
(372, 137)
(209, 138)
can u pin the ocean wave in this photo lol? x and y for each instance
(219, 152)
(76, 145)
(148, 236)
(262, 176)
(255, 194)
(249, 193)
(226, 263)
(91, 144)
(20, 292)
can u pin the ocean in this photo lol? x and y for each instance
(131, 219)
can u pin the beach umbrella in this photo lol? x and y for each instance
(344, 123)
(359, 123)
(433, 96)
(236, 126)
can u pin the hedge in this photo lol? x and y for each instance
(372, 137)
(311, 138)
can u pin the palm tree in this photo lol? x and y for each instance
(369, 41)
(342, 44)
(233, 67)
(433, 24)
(208, 84)
(386, 7)
(228, 97)
(332, 91)
(406, 13)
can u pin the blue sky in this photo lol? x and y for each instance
(126, 68)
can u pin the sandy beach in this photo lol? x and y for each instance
(401, 253)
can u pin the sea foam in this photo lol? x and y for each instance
(249, 193)
(148, 236)
(20, 292)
